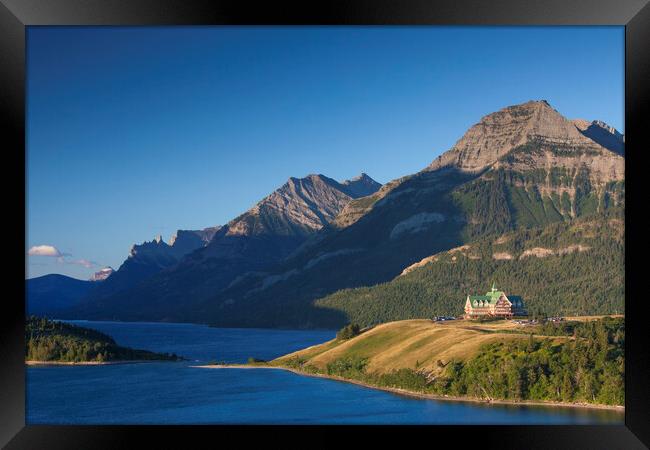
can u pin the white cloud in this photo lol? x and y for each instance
(83, 262)
(45, 250)
(52, 251)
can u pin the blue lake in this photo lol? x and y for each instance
(176, 393)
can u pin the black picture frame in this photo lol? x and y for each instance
(15, 15)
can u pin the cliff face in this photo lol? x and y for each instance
(102, 274)
(186, 241)
(523, 139)
(299, 207)
(151, 257)
(561, 142)
(605, 135)
(361, 186)
(286, 217)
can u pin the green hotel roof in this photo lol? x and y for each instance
(491, 297)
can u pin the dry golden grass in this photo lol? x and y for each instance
(414, 344)
(588, 318)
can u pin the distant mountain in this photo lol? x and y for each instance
(263, 235)
(102, 274)
(361, 186)
(149, 258)
(51, 293)
(605, 135)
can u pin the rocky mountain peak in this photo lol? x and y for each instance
(102, 274)
(180, 244)
(499, 132)
(155, 246)
(608, 128)
(361, 176)
(298, 207)
(361, 186)
(603, 134)
(186, 241)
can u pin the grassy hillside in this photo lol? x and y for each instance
(566, 362)
(564, 268)
(46, 340)
(409, 344)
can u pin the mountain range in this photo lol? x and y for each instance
(157, 278)
(524, 167)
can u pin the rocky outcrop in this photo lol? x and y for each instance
(605, 135)
(361, 186)
(186, 241)
(540, 252)
(359, 207)
(416, 223)
(556, 143)
(150, 258)
(423, 262)
(102, 274)
(301, 206)
(290, 214)
(158, 253)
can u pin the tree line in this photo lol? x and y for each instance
(48, 340)
(587, 366)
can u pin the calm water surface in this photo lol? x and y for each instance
(175, 393)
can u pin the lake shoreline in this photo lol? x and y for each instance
(87, 363)
(420, 395)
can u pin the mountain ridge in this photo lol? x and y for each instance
(151, 257)
(54, 292)
(266, 233)
(521, 167)
(500, 132)
(538, 180)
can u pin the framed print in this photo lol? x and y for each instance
(306, 222)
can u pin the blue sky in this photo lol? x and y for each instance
(133, 132)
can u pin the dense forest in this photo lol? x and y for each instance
(564, 268)
(47, 340)
(587, 366)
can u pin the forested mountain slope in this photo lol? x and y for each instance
(522, 167)
(565, 268)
